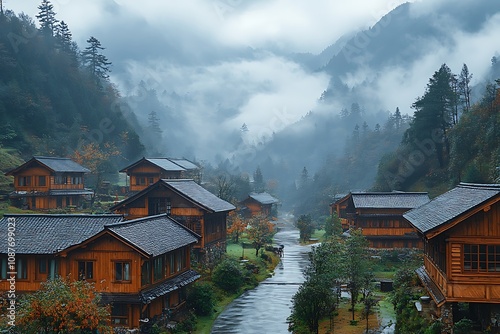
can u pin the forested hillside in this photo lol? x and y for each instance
(449, 139)
(56, 99)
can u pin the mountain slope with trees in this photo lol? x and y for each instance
(56, 100)
(449, 140)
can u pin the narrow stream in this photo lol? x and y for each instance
(266, 308)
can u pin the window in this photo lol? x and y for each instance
(85, 270)
(24, 181)
(21, 268)
(158, 268)
(42, 181)
(122, 271)
(481, 258)
(46, 268)
(140, 181)
(159, 205)
(42, 266)
(76, 180)
(60, 179)
(145, 273)
(119, 314)
(151, 180)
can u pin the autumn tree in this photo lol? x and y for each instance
(62, 306)
(236, 226)
(95, 158)
(97, 63)
(260, 232)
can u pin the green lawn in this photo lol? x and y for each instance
(236, 251)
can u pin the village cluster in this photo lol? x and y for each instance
(139, 255)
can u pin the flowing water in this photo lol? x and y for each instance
(266, 308)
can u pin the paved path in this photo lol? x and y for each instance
(266, 308)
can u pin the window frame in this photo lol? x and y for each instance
(86, 264)
(120, 315)
(480, 258)
(123, 264)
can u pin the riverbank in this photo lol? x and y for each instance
(247, 257)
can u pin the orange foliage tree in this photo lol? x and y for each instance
(260, 232)
(236, 226)
(95, 158)
(63, 306)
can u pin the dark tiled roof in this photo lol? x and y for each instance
(108, 298)
(264, 198)
(450, 205)
(68, 192)
(61, 165)
(392, 200)
(47, 234)
(196, 193)
(155, 235)
(56, 164)
(71, 192)
(166, 164)
(430, 286)
(163, 288)
(187, 189)
(184, 163)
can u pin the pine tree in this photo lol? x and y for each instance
(64, 36)
(434, 112)
(97, 64)
(258, 181)
(154, 123)
(47, 17)
(464, 86)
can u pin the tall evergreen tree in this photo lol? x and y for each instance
(434, 112)
(464, 86)
(47, 17)
(64, 36)
(97, 64)
(258, 181)
(154, 122)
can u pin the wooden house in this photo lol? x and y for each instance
(259, 204)
(380, 216)
(188, 203)
(48, 183)
(148, 171)
(461, 234)
(140, 267)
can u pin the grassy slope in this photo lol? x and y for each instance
(9, 159)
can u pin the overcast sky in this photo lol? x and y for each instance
(225, 54)
(227, 59)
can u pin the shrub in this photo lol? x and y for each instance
(228, 276)
(201, 298)
(463, 326)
